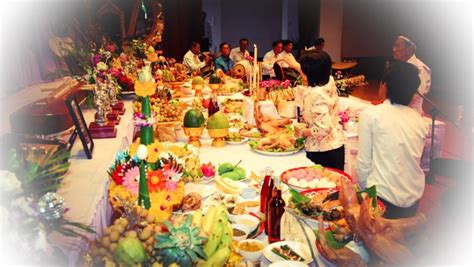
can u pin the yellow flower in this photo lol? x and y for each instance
(154, 151)
(116, 63)
(144, 89)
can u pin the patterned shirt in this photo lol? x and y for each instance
(321, 114)
(223, 63)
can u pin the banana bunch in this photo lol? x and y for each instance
(282, 95)
(228, 185)
(216, 224)
(193, 172)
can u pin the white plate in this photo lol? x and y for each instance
(287, 264)
(299, 248)
(202, 189)
(245, 139)
(206, 181)
(268, 153)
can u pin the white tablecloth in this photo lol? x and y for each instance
(85, 186)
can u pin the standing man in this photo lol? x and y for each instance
(191, 59)
(391, 140)
(271, 57)
(404, 50)
(240, 53)
(224, 62)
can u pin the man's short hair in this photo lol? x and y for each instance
(243, 39)
(194, 44)
(275, 43)
(402, 82)
(319, 41)
(287, 42)
(317, 67)
(222, 45)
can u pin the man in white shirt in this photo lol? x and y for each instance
(391, 140)
(404, 50)
(240, 53)
(271, 57)
(191, 59)
(289, 60)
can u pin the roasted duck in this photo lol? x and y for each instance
(269, 125)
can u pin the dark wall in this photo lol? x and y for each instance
(442, 31)
(259, 21)
(182, 26)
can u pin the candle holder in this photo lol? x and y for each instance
(194, 135)
(218, 136)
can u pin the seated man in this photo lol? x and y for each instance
(290, 67)
(192, 61)
(240, 53)
(271, 57)
(391, 140)
(223, 62)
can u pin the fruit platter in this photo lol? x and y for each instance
(313, 177)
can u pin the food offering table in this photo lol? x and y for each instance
(85, 188)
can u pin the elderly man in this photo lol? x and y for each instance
(271, 57)
(191, 59)
(240, 53)
(404, 50)
(223, 62)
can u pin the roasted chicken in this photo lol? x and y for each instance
(268, 125)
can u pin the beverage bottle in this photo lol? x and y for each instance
(213, 106)
(266, 189)
(275, 210)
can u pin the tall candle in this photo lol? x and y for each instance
(255, 65)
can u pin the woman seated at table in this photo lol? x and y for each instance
(324, 136)
(391, 140)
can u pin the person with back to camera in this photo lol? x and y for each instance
(391, 140)
(324, 136)
(404, 50)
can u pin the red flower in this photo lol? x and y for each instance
(156, 181)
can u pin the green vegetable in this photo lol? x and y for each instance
(332, 242)
(297, 197)
(372, 193)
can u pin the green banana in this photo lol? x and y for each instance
(219, 258)
(214, 240)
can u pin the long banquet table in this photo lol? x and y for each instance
(85, 187)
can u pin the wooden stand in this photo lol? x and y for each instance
(107, 130)
(112, 116)
(119, 107)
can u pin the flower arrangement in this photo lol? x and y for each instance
(164, 171)
(342, 89)
(344, 116)
(271, 85)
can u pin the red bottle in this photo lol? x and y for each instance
(213, 106)
(265, 192)
(275, 210)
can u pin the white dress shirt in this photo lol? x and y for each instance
(424, 72)
(289, 61)
(236, 55)
(391, 141)
(321, 114)
(192, 62)
(268, 61)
